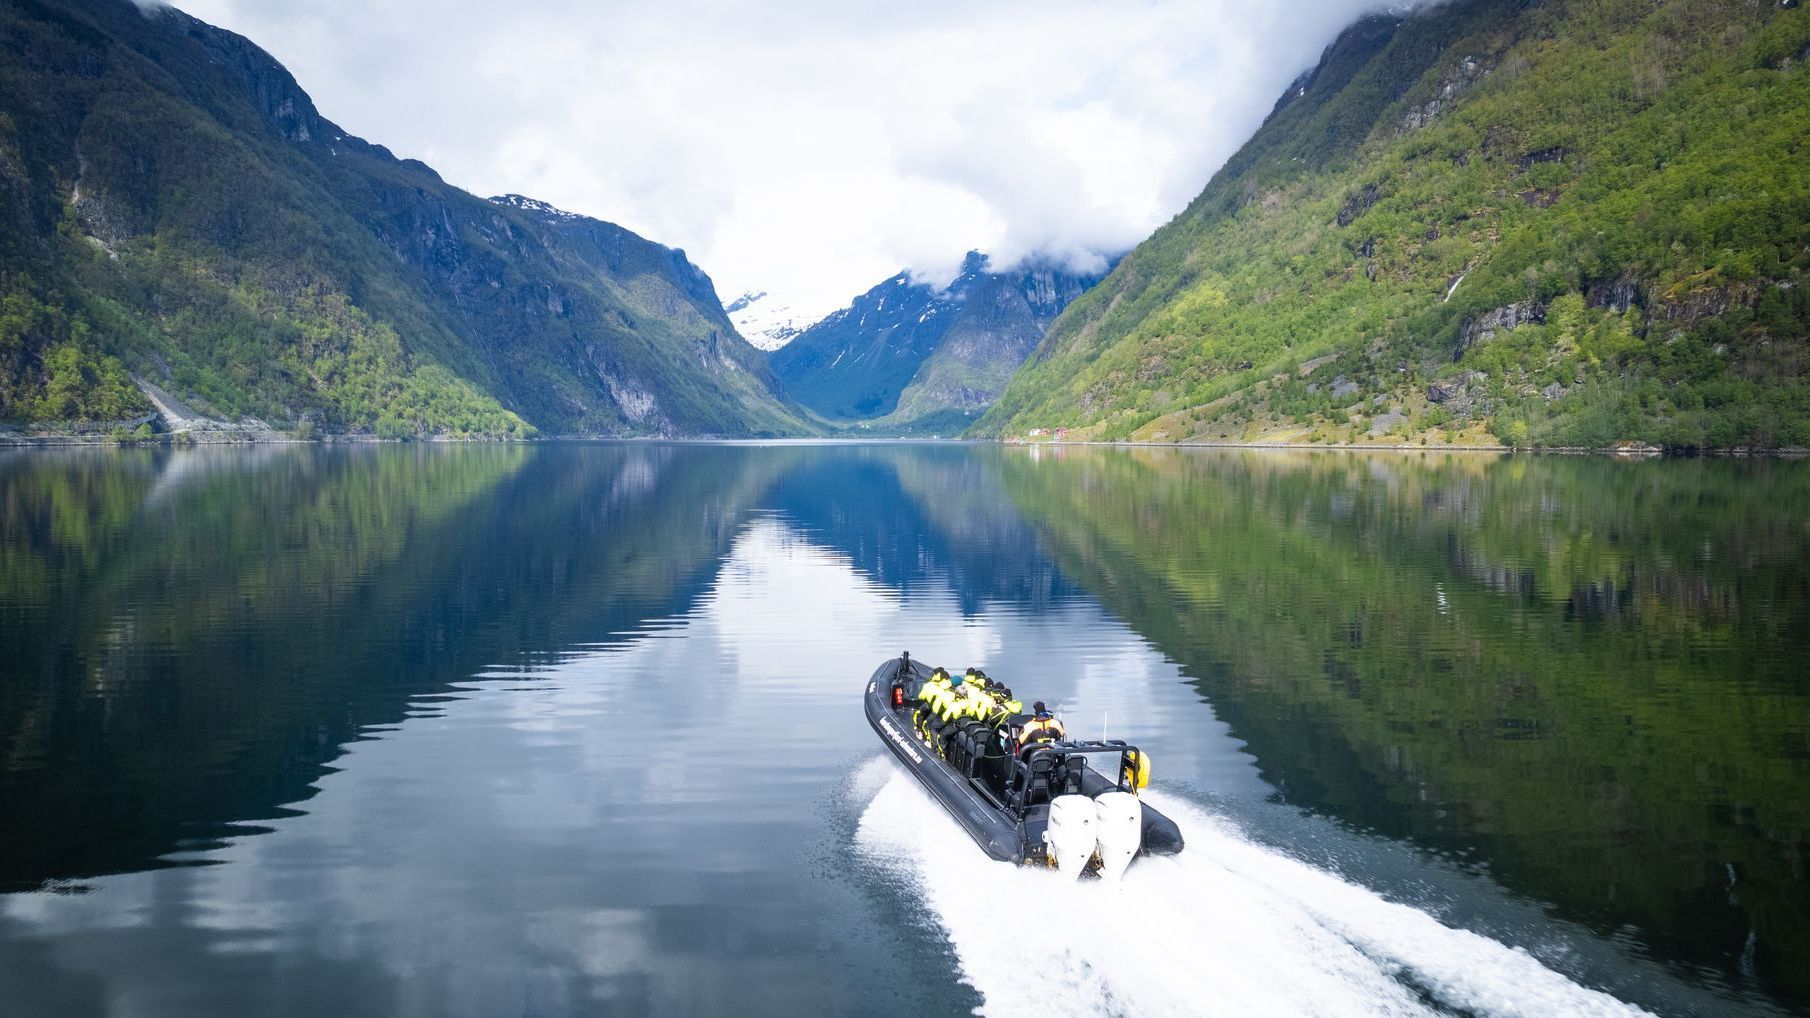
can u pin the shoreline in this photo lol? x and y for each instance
(191, 439)
(1621, 452)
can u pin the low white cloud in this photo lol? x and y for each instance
(812, 148)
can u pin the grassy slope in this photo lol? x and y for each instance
(1632, 176)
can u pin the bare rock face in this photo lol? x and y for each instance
(1683, 311)
(1509, 316)
(1422, 113)
(1383, 423)
(1358, 204)
(1446, 391)
(1555, 154)
(288, 110)
(1620, 295)
(1462, 395)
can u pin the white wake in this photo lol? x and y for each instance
(1228, 927)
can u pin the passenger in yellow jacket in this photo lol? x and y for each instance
(964, 697)
(979, 702)
(999, 704)
(1004, 707)
(947, 690)
(979, 705)
(933, 694)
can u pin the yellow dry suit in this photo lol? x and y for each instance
(962, 702)
(932, 696)
(1004, 704)
(934, 689)
(982, 706)
(998, 708)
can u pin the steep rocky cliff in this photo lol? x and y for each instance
(172, 204)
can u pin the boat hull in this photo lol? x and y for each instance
(999, 834)
(996, 834)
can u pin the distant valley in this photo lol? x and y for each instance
(907, 357)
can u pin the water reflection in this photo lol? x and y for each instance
(654, 824)
(569, 728)
(192, 636)
(1585, 676)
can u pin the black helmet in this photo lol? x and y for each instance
(1040, 710)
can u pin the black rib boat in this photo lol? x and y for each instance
(1047, 803)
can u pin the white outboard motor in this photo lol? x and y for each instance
(1119, 828)
(1069, 839)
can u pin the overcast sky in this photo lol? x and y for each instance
(812, 148)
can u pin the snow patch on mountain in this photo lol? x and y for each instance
(534, 205)
(770, 321)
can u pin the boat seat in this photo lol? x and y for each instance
(1068, 776)
(974, 739)
(1039, 792)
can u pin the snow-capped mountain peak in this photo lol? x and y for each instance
(769, 321)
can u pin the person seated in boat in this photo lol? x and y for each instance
(987, 689)
(978, 696)
(943, 692)
(983, 682)
(1042, 726)
(1003, 708)
(963, 700)
(931, 696)
(986, 705)
(936, 685)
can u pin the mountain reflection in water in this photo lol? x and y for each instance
(589, 710)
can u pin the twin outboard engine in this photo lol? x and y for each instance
(1110, 826)
(1119, 831)
(1069, 839)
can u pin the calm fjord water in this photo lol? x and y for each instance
(574, 729)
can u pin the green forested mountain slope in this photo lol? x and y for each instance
(1577, 222)
(172, 205)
